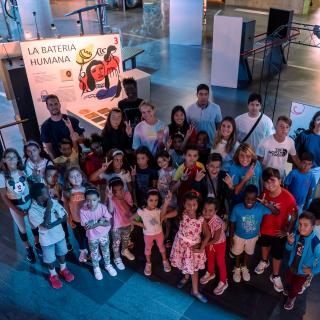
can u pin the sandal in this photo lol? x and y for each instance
(166, 266)
(200, 297)
(148, 269)
(182, 282)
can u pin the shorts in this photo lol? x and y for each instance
(52, 251)
(244, 245)
(277, 245)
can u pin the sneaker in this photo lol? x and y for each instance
(302, 290)
(148, 269)
(200, 297)
(207, 277)
(245, 273)
(277, 283)
(119, 264)
(69, 247)
(289, 304)
(166, 266)
(38, 250)
(111, 270)
(83, 257)
(261, 267)
(97, 273)
(55, 281)
(236, 275)
(66, 274)
(220, 288)
(30, 255)
(126, 253)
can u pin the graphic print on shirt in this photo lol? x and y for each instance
(249, 223)
(278, 152)
(18, 187)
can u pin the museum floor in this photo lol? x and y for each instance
(175, 72)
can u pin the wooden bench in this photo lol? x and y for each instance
(130, 53)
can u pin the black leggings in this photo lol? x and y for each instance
(80, 235)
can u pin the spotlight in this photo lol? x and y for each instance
(53, 26)
(78, 23)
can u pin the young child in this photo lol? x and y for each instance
(14, 190)
(301, 182)
(245, 221)
(152, 218)
(95, 218)
(176, 152)
(73, 200)
(188, 251)
(216, 247)
(304, 247)
(48, 214)
(274, 228)
(202, 144)
(121, 207)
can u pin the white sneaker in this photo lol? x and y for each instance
(277, 283)
(83, 257)
(236, 275)
(245, 273)
(220, 288)
(207, 277)
(261, 267)
(98, 273)
(126, 253)
(119, 264)
(112, 271)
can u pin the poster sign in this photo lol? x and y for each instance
(82, 71)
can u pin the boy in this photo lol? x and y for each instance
(304, 257)
(48, 214)
(274, 150)
(202, 143)
(274, 228)
(245, 227)
(301, 182)
(176, 153)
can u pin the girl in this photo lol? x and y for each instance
(95, 218)
(14, 192)
(245, 170)
(225, 142)
(73, 199)
(216, 247)
(187, 252)
(152, 218)
(36, 161)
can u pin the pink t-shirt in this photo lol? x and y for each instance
(121, 214)
(87, 215)
(215, 224)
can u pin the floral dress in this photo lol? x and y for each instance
(182, 255)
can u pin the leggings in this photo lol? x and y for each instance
(216, 254)
(120, 236)
(94, 245)
(80, 235)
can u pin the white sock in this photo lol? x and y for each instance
(53, 272)
(62, 266)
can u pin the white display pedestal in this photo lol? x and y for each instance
(226, 51)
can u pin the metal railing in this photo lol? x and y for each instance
(11, 124)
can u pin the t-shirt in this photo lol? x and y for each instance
(205, 119)
(47, 237)
(121, 214)
(309, 142)
(247, 221)
(146, 135)
(131, 110)
(151, 221)
(215, 224)
(227, 158)
(177, 158)
(124, 175)
(317, 231)
(115, 138)
(299, 184)
(54, 131)
(17, 189)
(68, 162)
(92, 163)
(87, 215)
(286, 204)
(36, 170)
(143, 182)
(264, 128)
(76, 201)
(275, 154)
(164, 182)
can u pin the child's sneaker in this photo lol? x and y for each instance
(148, 269)
(166, 266)
(277, 283)
(66, 274)
(126, 253)
(97, 273)
(220, 288)
(236, 275)
(289, 304)
(55, 281)
(69, 247)
(245, 273)
(30, 255)
(83, 255)
(207, 277)
(111, 270)
(262, 265)
(119, 264)
(38, 248)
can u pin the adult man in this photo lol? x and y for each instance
(205, 115)
(54, 129)
(246, 121)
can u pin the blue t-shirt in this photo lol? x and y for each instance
(298, 184)
(248, 221)
(309, 142)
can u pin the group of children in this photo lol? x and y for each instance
(187, 199)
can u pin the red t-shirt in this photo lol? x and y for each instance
(92, 163)
(286, 203)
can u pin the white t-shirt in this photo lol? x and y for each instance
(151, 221)
(39, 167)
(317, 231)
(275, 154)
(244, 124)
(47, 237)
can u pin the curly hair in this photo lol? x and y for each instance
(3, 165)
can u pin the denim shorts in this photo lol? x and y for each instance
(57, 249)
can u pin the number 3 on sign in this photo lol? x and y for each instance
(115, 40)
